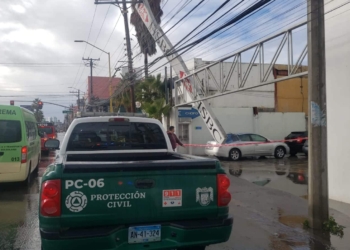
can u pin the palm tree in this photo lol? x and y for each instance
(122, 97)
(147, 44)
(151, 93)
(39, 115)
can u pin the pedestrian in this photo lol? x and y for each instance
(173, 138)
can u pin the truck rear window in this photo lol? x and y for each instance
(116, 136)
(46, 130)
(10, 131)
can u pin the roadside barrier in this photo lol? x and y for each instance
(243, 144)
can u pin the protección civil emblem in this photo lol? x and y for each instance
(204, 196)
(76, 201)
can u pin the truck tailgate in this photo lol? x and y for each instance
(122, 193)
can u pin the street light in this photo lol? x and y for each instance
(109, 66)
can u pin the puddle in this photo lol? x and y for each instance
(289, 174)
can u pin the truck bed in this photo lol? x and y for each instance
(135, 162)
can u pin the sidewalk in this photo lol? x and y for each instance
(265, 218)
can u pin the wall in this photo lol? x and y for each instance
(291, 95)
(338, 101)
(274, 126)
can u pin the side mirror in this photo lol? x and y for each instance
(52, 144)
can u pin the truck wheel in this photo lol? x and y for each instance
(280, 152)
(235, 154)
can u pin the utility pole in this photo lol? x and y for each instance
(317, 121)
(166, 92)
(128, 47)
(91, 66)
(124, 11)
(77, 92)
(171, 87)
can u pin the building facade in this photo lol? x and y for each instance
(98, 93)
(338, 101)
(251, 111)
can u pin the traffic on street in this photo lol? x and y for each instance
(19, 205)
(174, 125)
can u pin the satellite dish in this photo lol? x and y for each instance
(138, 104)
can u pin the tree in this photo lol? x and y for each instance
(122, 94)
(144, 38)
(151, 94)
(39, 115)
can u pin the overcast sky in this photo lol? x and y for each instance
(39, 59)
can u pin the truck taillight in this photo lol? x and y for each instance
(224, 196)
(24, 153)
(50, 204)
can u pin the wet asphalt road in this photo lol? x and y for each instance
(253, 228)
(19, 211)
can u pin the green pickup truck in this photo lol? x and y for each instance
(116, 183)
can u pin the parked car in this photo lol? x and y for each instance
(306, 148)
(237, 146)
(298, 139)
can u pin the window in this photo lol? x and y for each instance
(46, 130)
(116, 136)
(31, 128)
(231, 138)
(244, 137)
(294, 135)
(258, 138)
(10, 131)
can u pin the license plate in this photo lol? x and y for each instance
(143, 234)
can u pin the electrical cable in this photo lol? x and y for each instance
(204, 21)
(289, 24)
(195, 7)
(99, 32)
(93, 18)
(239, 18)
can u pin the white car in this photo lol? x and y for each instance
(237, 146)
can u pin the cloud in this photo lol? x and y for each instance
(33, 31)
(18, 8)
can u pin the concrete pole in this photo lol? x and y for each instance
(110, 84)
(78, 100)
(128, 47)
(166, 94)
(317, 121)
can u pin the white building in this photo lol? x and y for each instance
(338, 101)
(234, 111)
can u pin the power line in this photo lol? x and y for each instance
(99, 32)
(93, 18)
(271, 32)
(240, 17)
(195, 7)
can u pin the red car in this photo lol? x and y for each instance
(47, 131)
